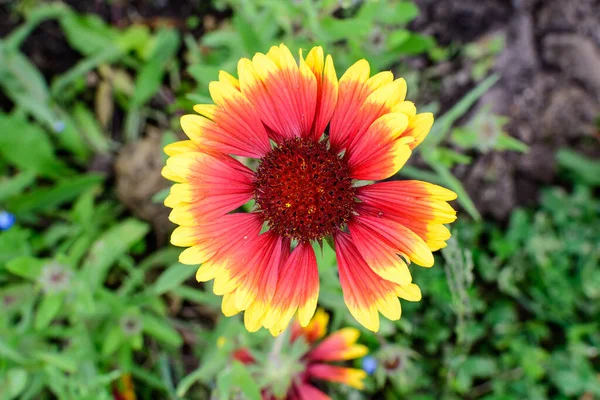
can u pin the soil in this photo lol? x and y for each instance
(549, 88)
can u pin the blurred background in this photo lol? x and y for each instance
(93, 304)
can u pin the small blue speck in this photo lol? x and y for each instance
(369, 364)
(58, 126)
(6, 220)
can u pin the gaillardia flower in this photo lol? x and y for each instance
(320, 144)
(315, 364)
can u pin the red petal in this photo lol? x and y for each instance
(213, 186)
(309, 392)
(394, 236)
(284, 94)
(365, 293)
(349, 376)
(327, 89)
(297, 289)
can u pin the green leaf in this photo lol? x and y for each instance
(62, 361)
(88, 34)
(48, 198)
(204, 373)
(26, 86)
(506, 142)
(237, 377)
(8, 352)
(247, 34)
(151, 74)
(414, 44)
(161, 330)
(48, 309)
(26, 267)
(397, 38)
(401, 14)
(109, 247)
(172, 277)
(131, 39)
(14, 243)
(14, 382)
(88, 125)
(10, 187)
(585, 168)
(27, 147)
(112, 341)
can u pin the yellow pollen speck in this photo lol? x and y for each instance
(288, 205)
(221, 342)
(311, 209)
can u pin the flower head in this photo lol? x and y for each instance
(314, 364)
(55, 278)
(320, 144)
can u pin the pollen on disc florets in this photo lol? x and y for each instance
(304, 190)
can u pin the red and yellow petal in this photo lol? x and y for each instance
(251, 277)
(216, 239)
(315, 330)
(396, 237)
(381, 256)
(349, 376)
(283, 92)
(297, 290)
(209, 186)
(418, 128)
(419, 206)
(365, 293)
(339, 346)
(354, 88)
(327, 89)
(380, 152)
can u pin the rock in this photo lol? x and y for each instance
(577, 57)
(138, 177)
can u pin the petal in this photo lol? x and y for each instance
(339, 346)
(327, 89)
(213, 186)
(315, 330)
(349, 376)
(418, 127)
(365, 293)
(360, 101)
(221, 237)
(231, 126)
(183, 146)
(419, 206)
(377, 104)
(252, 275)
(283, 93)
(238, 119)
(409, 292)
(309, 392)
(385, 161)
(229, 79)
(377, 154)
(297, 289)
(395, 237)
(380, 256)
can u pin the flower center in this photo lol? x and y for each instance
(304, 190)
